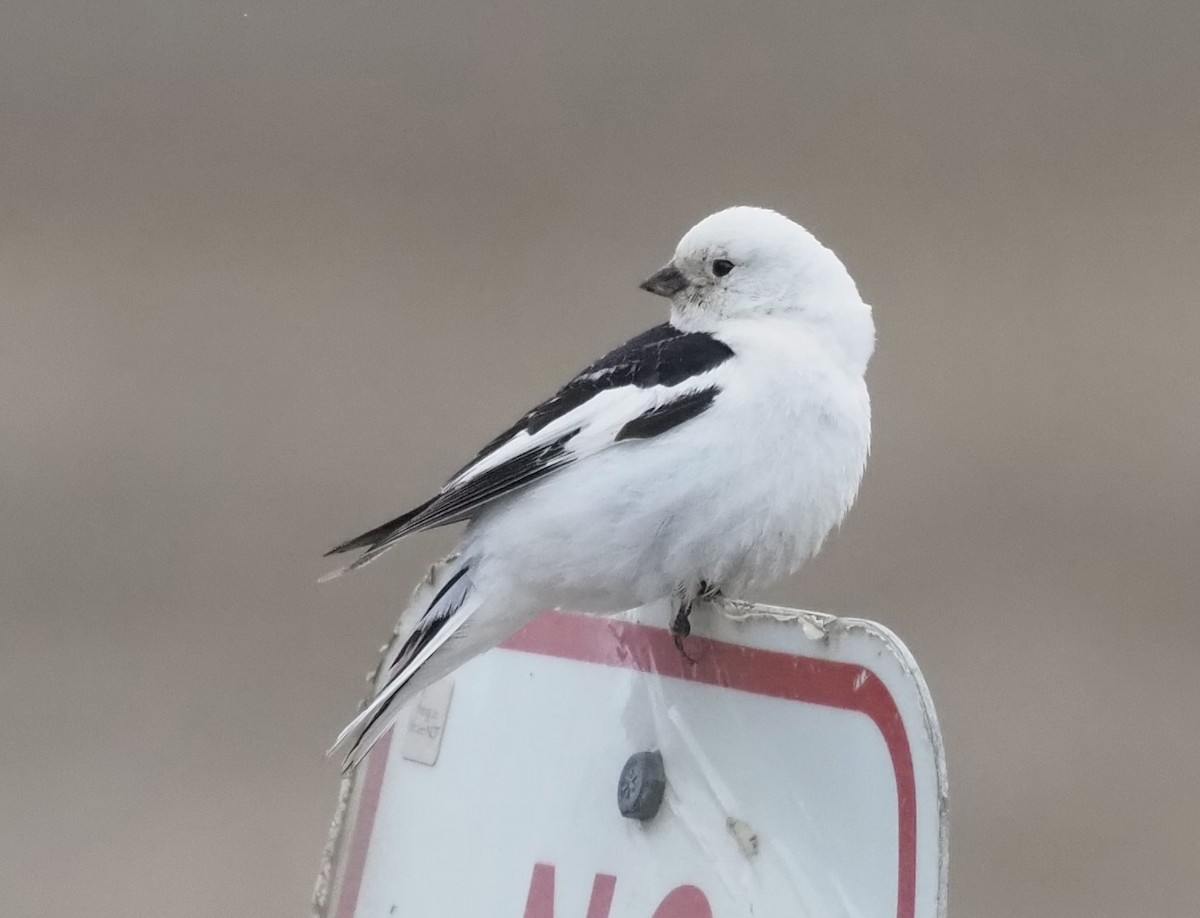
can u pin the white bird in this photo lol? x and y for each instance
(710, 455)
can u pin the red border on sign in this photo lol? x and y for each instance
(630, 645)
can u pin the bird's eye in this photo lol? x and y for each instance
(721, 266)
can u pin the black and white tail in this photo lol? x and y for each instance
(416, 657)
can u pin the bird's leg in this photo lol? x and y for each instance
(681, 626)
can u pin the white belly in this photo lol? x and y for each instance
(737, 497)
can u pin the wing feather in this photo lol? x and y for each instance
(652, 383)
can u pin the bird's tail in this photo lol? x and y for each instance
(415, 658)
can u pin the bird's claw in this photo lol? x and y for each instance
(681, 627)
(682, 652)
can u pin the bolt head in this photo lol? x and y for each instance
(641, 786)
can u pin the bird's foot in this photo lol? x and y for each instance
(736, 609)
(681, 625)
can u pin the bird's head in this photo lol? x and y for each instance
(748, 261)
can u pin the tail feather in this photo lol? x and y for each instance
(444, 602)
(379, 534)
(375, 541)
(384, 543)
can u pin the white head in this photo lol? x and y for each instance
(745, 262)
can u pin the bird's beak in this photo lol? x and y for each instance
(666, 281)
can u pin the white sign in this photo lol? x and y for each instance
(803, 766)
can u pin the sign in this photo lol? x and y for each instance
(803, 767)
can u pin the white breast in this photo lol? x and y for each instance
(790, 436)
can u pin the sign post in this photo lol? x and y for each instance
(790, 764)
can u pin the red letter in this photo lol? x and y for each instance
(602, 893)
(540, 902)
(684, 902)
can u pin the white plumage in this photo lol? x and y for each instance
(715, 452)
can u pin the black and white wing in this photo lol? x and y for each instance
(652, 383)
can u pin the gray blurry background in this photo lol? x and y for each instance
(269, 271)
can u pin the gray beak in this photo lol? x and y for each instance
(666, 281)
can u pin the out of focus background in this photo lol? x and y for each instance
(270, 271)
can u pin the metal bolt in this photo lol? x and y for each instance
(640, 789)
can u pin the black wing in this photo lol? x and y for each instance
(662, 356)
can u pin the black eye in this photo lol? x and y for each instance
(721, 266)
